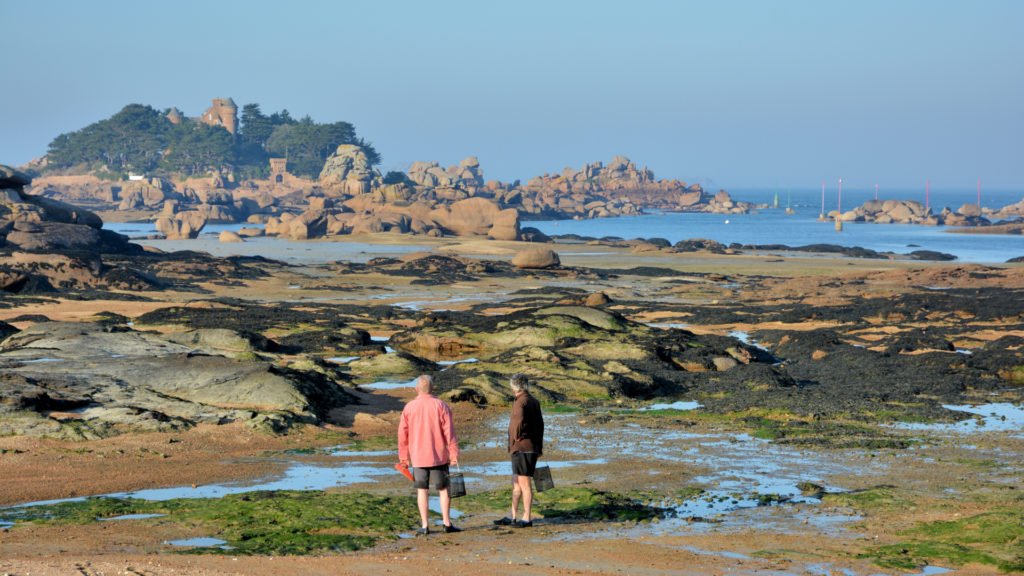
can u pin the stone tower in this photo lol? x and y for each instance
(278, 168)
(223, 112)
(175, 116)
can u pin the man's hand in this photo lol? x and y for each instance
(455, 461)
(404, 463)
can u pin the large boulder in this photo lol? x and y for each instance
(348, 168)
(536, 258)
(309, 224)
(51, 236)
(506, 225)
(469, 217)
(182, 226)
(56, 211)
(11, 178)
(228, 236)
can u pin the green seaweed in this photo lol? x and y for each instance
(993, 538)
(265, 522)
(373, 444)
(571, 504)
(876, 498)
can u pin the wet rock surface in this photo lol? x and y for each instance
(86, 380)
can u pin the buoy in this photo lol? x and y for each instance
(726, 221)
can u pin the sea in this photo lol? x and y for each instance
(764, 226)
(775, 226)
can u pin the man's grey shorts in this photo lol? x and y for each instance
(436, 475)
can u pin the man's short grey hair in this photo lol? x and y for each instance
(519, 381)
(426, 382)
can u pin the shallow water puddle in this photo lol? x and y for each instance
(200, 542)
(504, 468)
(997, 417)
(722, 553)
(745, 338)
(299, 476)
(418, 305)
(669, 325)
(388, 385)
(681, 405)
(740, 472)
(342, 359)
(41, 360)
(131, 517)
(454, 362)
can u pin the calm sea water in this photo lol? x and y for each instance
(774, 226)
(769, 226)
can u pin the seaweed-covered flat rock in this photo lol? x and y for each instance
(82, 380)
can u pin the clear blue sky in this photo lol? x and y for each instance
(728, 93)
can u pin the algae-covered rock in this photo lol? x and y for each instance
(572, 353)
(397, 365)
(98, 379)
(220, 341)
(598, 318)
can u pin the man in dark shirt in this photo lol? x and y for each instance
(525, 445)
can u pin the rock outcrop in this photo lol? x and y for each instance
(467, 175)
(577, 353)
(348, 169)
(350, 197)
(38, 224)
(912, 212)
(536, 258)
(73, 380)
(182, 225)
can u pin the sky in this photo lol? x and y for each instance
(731, 94)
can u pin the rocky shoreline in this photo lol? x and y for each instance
(118, 357)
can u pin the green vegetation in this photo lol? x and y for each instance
(570, 504)
(277, 522)
(877, 498)
(141, 139)
(992, 538)
(372, 444)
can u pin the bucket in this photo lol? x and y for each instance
(542, 479)
(456, 484)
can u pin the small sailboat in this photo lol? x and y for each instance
(789, 204)
(775, 203)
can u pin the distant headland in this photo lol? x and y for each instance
(302, 179)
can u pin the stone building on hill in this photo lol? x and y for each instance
(223, 112)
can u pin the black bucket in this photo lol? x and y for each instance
(456, 484)
(542, 479)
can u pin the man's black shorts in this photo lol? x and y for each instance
(437, 476)
(524, 463)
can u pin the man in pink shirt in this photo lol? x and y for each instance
(427, 441)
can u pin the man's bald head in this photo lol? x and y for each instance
(424, 384)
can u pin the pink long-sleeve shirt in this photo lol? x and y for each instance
(426, 434)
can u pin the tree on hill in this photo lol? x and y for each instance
(133, 139)
(307, 144)
(198, 148)
(142, 139)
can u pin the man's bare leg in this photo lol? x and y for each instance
(516, 494)
(523, 484)
(422, 494)
(446, 506)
